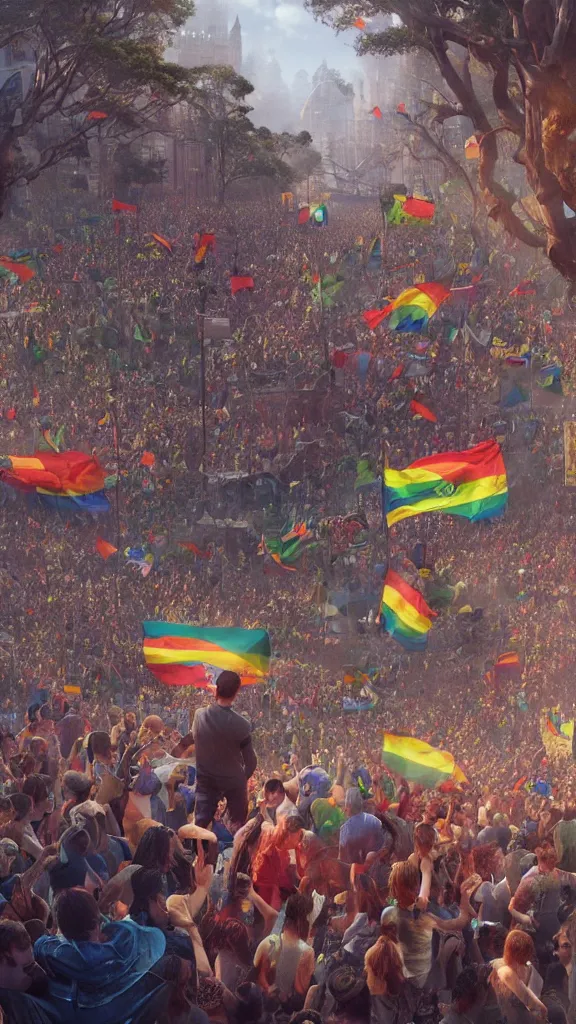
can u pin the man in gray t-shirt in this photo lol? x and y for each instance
(225, 757)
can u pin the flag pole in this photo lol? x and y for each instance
(385, 527)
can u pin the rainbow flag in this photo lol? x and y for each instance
(69, 481)
(471, 483)
(412, 310)
(417, 761)
(404, 613)
(177, 653)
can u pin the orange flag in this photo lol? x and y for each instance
(148, 459)
(377, 112)
(360, 23)
(104, 548)
(161, 241)
(96, 115)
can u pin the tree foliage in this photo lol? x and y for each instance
(528, 50)
(97, 57)
(238, 150)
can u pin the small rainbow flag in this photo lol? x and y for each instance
(177, 653)
(404, 613)
(412, 310)
(471, 483)
(416, 761)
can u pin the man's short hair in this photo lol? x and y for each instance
(273, 786)
(77, 914)
(227, 685)
(13, 935)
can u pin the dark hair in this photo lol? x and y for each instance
(569, 813)
(467, 988)
(298, 909)
(147, 884)
(22, 804)
(227, 685)
(153, 850)
(13, 934)
(367, 898)
(274, 786)
(35, 787)
(233, 935)
(77, 914)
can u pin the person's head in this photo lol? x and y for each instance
(563, 947)
(148, 898)
(17, 964)
(99, 747)
(491, 939)
(488, 862)
(424, 839)
(114, 715)
(547, 859)
(130, 721)
(42, 802)
(367, 899)
(233, 936)
(273, 793)
(155, 849)
(353, 801)
(404, 883)
(77, 915)
(91, 817)
(9, 746)
(518, 948)
(227, 686)
(8, 852)
(76, 786)
(22, 805)
(569, 813)
(250, 1008)
(46, 720)
(6, 811)
(298, 910)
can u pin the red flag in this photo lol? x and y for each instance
(190, 546)
(58, 248)
(360, 23)
(304, 215)
(374, 317)
(96, 115)
(377, 112)
(238, 284)
(22, 270)
(401, 108)
(148, 459)
(11, 414)
(161, 241)
(396, 373)
(118, 207)
(104, 548)
(417, 409)
(524, 288)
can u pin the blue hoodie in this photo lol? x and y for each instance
(101, 971)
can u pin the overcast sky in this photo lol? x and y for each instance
(297, 40)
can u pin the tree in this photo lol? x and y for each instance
(237, 149)
(131, 168)
(95, 68)
(527, 48)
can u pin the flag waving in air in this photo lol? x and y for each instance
(471, 483)
(404, 613)
(63, 480)
(176, 653)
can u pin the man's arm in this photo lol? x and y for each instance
(249, 757)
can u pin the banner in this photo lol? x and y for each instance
(570, 453)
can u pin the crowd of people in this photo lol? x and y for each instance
(148, 876)
(143, 880)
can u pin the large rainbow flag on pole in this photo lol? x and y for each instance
(417, 761)
(63, 480)
(471, 483)
(412, 310)
(177, 653)
(404, 613)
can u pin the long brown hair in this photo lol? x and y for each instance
(404, 879)
(386, 964)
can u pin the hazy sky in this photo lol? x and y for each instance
(297, 40)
